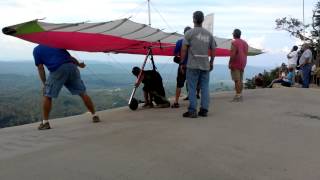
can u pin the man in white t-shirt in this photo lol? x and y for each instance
(305, 65)
(293, 57)
(292, 60)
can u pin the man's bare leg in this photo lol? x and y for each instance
(238, 87)
(178, 93)
(46, 107)
(88, 102)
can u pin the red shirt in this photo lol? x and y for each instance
(240, 59)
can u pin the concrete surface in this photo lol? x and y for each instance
(273, 135)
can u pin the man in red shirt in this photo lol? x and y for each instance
(237, 63)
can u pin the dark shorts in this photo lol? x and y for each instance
(67, 75)
(159, 99)
(181, 78)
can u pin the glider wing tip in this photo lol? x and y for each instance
(8, 31)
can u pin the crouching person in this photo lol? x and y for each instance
(153, 88)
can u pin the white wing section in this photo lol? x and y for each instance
(209, 22)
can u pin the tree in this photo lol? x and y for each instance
(309, 33)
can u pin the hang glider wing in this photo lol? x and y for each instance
(118, 36)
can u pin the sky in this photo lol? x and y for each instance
(256, 19)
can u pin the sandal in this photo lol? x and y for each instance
(175, 105)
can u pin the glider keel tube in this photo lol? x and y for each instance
(133, 102)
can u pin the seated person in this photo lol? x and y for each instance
(283, 68)
(153, 88)
(285, 80)
(258, 80)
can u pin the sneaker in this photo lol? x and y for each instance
(186, 99)
(190, 114)
(203, 112)
(44, 126)
(95, 119)
(237, 99)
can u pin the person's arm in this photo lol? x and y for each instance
(185, 45)
(81, 65)
(232, 54)
(212, 51)
(212, 56)
(139, 80)
(42, 74)
(184, 51)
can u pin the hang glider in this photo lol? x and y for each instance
(118, 36)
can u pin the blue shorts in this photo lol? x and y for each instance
(67, 75)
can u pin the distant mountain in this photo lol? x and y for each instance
(167, 70)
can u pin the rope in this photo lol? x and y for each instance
(171, 29)
(131, 12)
(89, 69)
(95, 74)
(118, 63)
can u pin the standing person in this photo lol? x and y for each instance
(305, 65)
(237, 63)
(181, 73)
(197, 42)
(63, 72)
(292, 59)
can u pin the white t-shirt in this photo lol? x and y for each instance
(293, 57)
(306, 55)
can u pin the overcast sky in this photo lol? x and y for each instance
(255, 18)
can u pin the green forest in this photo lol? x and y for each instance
(109, 86)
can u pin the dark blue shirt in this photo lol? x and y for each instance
(177, 51)
(52, 58)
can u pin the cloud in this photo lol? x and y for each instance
(257, 42)
(254, 18)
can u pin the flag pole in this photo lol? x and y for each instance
(304, 28)
(149, 15)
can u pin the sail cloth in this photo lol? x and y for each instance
(118, 36)
(208, 22)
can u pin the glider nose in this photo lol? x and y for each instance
(8, 31)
